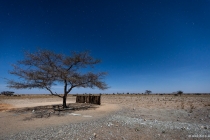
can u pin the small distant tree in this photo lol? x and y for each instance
(44, 69)
(7, 93)
(148, 91)
(179, 92)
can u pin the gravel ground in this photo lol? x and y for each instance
(117, 125)
(146, 117)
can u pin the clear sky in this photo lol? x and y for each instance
(157, 45)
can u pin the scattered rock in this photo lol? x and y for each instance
(94, 135)
(87, 116)
(183, 128)
(204, 127)
(109, 124)
(137, 129)
(60, 131)
(74, 114)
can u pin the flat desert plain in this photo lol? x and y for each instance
(119, 117)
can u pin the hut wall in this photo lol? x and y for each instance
(92, 99)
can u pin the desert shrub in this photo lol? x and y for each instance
(148, 91)
(182, 105)
(207, 104)
(179, 92)
(7, 93)
(191, 108)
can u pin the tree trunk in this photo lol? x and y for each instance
(64, 101)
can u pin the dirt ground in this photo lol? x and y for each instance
(21, 113)
(26, 112)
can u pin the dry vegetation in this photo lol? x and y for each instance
(196, 105)
(119, 117)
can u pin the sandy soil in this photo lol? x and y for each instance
(129, 116)
(12, 121)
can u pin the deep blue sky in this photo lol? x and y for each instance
(160, 45)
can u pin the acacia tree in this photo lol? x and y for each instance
(179, 92)
(148, 91)
(44, 69)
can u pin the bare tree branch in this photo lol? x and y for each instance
(55, 94)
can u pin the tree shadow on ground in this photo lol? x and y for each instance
(51, 110)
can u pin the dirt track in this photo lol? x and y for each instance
(16, 113)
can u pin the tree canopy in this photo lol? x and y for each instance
(44, 69)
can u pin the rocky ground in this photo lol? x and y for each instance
(129, 117)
